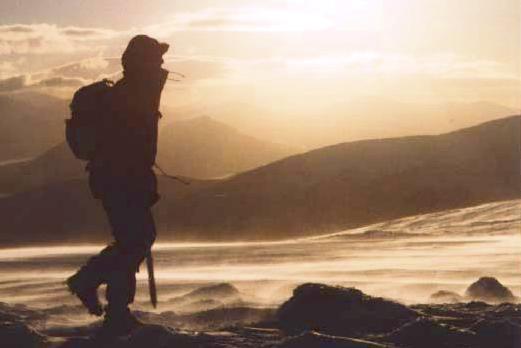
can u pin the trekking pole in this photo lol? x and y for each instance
(171, 176)
(151, 279)
(176, 73)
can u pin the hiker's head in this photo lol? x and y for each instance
(143, 53)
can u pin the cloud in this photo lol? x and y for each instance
(200, 67)
(242, 20)
(60, 81)
(17, 28)
(51, 39)
(89, 68)
(7, 69)
(88, 33)
(256, 20)
(17, 83)
(44, 38)
(384, 64)
(70, 75)
(13, 83)
(85, 71)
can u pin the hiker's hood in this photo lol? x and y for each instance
(143, 53)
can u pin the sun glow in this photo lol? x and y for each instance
(347, 15)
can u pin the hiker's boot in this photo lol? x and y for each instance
(119, 323)
(87, 291)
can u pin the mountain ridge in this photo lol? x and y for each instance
(324, 190)
(218, 151)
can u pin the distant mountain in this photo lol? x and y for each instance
(355, 119)
(30, 123)
(198, 148)
(325, 190)
(376, 117)
(204, 148)
(354, 184)
(56, 165)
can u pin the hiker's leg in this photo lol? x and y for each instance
(95, 270)
(85, 282)
(134, 233)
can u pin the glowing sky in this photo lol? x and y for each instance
(300, 55)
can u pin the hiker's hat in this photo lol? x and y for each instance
(142, 49)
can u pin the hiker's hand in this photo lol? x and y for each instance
(163, 74)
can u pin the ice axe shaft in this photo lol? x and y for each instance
(151, 279)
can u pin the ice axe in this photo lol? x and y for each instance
(151, 279)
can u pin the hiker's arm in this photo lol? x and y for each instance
(147, 105)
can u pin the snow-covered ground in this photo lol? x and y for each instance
(406, 259)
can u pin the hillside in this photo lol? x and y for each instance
(55, 165)
(355, 119)
(204, 148)
(325, 190)
(30, 123)
(353, 184)
(198, 148)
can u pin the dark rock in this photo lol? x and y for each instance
(16, 335)
(316, 340)
(7, 316)
(444, 309)
(224, 317)
(340, 311)
(476, 306)
(19, 312)
(489, 289)
(209, 320)
(219, 290)
(167, 318)
(507, 310)
(158, 336)
(427, 333)
(198, 306)
(224, 293)
(444, 296)
(498, 333)
(150, 336)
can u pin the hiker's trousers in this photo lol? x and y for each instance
(134, 232)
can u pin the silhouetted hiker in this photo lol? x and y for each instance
(121, 175)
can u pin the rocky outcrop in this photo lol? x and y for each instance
(213, 319)
(489, 289)
(500, 333)
(314, 339)
(340, 311)
(156, 336)
(485, 289)
(16, 335)
(316, 316)
(212, 295)
(427, 333)
(444, 296)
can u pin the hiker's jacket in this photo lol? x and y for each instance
(128, 146)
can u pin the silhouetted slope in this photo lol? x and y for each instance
(204, 148)
(57, 164)
(30, 123)
(357, 183)
(356, 119)
(325, 190)
(199, 148)
(59, 212)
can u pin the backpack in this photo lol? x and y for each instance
(88, 106)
